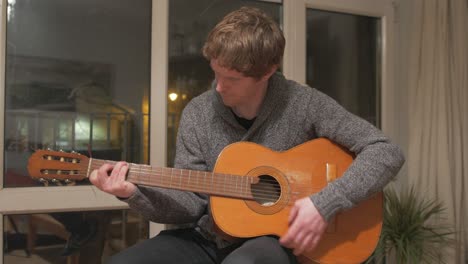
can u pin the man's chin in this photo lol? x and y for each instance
(227, 102)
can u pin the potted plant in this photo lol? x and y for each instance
(409, 232)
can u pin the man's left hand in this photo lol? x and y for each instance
(306, 227)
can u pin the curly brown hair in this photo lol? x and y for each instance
(246, 40)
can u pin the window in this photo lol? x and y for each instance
(343, 60)
(77, 78)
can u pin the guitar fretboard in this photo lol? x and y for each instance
(218, 184)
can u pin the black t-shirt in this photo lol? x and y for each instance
(246, 123)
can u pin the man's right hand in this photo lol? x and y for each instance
(111, 179)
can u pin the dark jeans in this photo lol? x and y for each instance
(188, 246)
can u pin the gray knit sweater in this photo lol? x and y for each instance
(291, 114)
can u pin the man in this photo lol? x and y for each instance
(251, 101)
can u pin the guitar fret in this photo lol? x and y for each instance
(151, 172)
(231, 181)
(139, 172)
(161, 172)
(240, 185)
(224, 185)
(170, 182)
(189, 174)
(204, 186)
(212, 180)
(180, 181)
(200, 177)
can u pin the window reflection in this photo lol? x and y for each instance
(343, 60)
(189, 73)
(77, 78)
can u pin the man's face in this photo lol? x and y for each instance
(235, 89)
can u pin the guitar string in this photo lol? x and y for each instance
(215, 188)
(148, 171)
(173, 171)
(181, 172)
(275, 199)
(203, 179)
(227, 187)
(259, 193)
(165, 180)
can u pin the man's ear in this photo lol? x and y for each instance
(272, 70)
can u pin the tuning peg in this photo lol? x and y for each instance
(69, 182)
(57, 182)
(44, 181)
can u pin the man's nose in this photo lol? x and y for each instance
(220, 86)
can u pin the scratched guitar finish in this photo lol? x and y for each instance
(252, 190)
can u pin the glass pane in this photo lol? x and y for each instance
(71, 237)
(77, 78)
(343, 60)
(189, 73)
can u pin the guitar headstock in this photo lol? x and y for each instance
(58, 167)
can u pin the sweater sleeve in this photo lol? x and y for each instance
(174, 206)
(377, 159)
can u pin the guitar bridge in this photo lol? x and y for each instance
(331, 172)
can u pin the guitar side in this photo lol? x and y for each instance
(300, 172)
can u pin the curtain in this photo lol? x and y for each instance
(437, 86)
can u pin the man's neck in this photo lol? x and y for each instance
(251, 110)
(246, 113)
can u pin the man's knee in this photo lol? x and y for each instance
(264, 242)
(260, 250)
(115, 259)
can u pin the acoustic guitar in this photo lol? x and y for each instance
(252, 190)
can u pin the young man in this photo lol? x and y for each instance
(251, 101)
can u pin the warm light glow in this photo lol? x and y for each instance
(173, 96)
(145, 104)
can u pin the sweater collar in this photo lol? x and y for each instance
(272, 98)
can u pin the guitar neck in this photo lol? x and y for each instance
(217, 184)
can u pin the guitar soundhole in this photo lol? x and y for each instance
(267, 191)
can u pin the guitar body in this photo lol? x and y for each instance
(285, 177)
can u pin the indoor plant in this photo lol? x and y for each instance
(409, 232)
